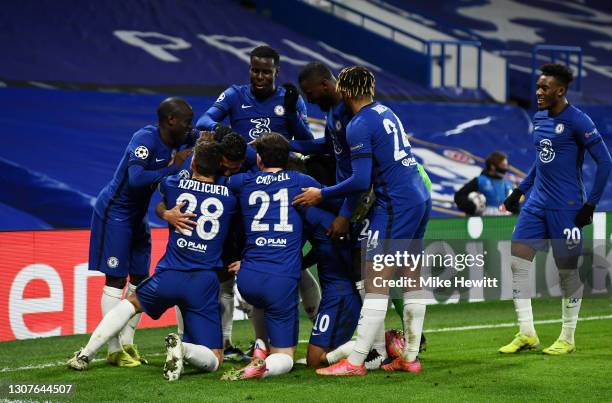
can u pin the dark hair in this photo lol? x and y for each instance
(315, 70)
(273, 149)
(356, 82)
(266, 52)
(233, 146)
(296, 163)
(171, 107)
(207, 157)
(495, 158)
(560, 72)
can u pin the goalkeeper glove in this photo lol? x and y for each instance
(512, 202)
(585, 215)
(291, 99)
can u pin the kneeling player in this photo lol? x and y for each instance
(185, 276)
(270, 268)
(340, 306)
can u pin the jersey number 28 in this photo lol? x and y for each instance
(207, 215)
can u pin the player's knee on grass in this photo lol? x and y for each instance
(315, 356)
(136, 279)
(522, 250)
(115, 282)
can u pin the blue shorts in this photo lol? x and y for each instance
(278, 297)
(336, 320)
(119, 248)
(196, 293)
(535, 227)
(409, 224)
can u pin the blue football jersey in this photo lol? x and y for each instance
(117, 200)
(214, 205)
(560, 142)
(251, 117)
(273, 227)
(334, 261)
(376, 132)
(338, 119)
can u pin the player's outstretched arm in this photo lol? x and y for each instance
(295, 111)
(211, 118)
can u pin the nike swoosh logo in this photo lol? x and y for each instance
(243, 106)
(159, 160)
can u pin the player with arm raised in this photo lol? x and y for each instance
(380, 155)
(186, 274)
(557, 206)
(120, 242)
(270, 268)
(260, 107)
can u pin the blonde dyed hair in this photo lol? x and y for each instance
(356, 82)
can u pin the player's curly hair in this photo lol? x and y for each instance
(207, 157)
(560, 72)
(273, 149)
(356, 82)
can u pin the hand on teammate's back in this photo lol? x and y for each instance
(179, 220)
(309, 197)
(291, 98)
(180, 157)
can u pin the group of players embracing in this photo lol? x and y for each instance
(241, 203)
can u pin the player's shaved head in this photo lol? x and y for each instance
(273, 150)
(356, 82)
(173, 106)
(315, 71)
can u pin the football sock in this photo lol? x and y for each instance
(127, 334)
(278, 364)
(572, 288)
(180, 325)
(372, 319)
(379, 341)
(226, 299)
(414, 316)
(310, 294)
(109, 326)
(200, 357)
(111, 297)
(340, 353)
(521, 294)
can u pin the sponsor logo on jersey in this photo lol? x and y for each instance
(547, 153)
(279, 110)
(262, 125)
(273, 242)
(410, 161)
(112, 262)
(459, 156)
(559, 128)
(141, 152)
(191, 245)
(221, 97)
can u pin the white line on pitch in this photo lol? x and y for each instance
(438, 330)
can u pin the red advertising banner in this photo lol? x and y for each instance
(46, 288)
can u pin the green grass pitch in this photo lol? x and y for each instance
(459, 365)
